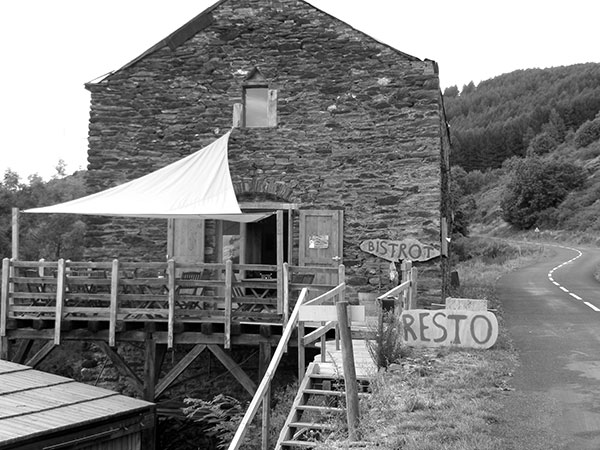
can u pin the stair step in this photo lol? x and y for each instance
(306, 444)
(324, 376)
(327, 409)
(331, 393)
(312, 425)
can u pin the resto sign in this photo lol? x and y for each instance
(407, 249)
(438, 328)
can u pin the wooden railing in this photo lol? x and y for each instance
(405, 294)
(168, 292)
(265, 384)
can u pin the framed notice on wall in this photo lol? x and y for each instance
(318, 241)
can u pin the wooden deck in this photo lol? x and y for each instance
(177, 298)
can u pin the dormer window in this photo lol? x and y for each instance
(259, 107)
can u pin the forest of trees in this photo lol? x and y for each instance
(526, 148)
(48, 236)
(500, 117)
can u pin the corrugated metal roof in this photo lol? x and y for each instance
(36, 403)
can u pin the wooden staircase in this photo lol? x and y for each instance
(318, 409)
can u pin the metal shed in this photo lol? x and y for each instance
(39, 411)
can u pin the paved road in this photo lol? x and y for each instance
(552, 311)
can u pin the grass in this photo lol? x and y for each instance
(445, 399)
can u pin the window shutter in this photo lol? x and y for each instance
(238, 110)
(272, 107)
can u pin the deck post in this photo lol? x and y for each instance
(228, 286)
(349, 370)
(150, 370)
(264, 361)
(60, 299)
(171, 301)
(280, 260)
(286, 293)
(114, 289)
(4, 308)
(301, 351)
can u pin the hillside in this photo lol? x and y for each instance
(526, 149)
(500, 117)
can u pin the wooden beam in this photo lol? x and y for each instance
(179, 368)
(22, 350)
(121, 366)
(41, 354)
(234, 368)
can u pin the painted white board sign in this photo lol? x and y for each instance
(445, 328)
(326, 313)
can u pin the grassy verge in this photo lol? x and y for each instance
(443, 398)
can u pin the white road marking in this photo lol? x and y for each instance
(592, 306)
(562, 288)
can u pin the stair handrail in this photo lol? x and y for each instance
(263, 388)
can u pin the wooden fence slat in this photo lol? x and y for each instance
(5, 296)
(60, 297)
(4, 308)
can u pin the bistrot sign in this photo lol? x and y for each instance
(394, 251)
(449, 328)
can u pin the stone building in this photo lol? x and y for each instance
(342, 132)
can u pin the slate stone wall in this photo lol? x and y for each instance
(360, 127)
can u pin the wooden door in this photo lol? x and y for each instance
(185, 240)
(321, 241)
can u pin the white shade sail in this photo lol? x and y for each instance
(197, 186)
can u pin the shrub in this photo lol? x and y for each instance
(388, 347)
(541, 144)
(588, 133)
(535, 185)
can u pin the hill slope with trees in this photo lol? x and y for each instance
(526, 149)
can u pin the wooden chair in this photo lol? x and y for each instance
(191, 290)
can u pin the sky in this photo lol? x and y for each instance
(50, 49)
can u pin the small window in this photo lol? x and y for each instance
(259, 107)
(256, 105)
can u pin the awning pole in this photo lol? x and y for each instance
(15, 234)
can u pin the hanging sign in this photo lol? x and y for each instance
(407, 249)
(437, 328)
